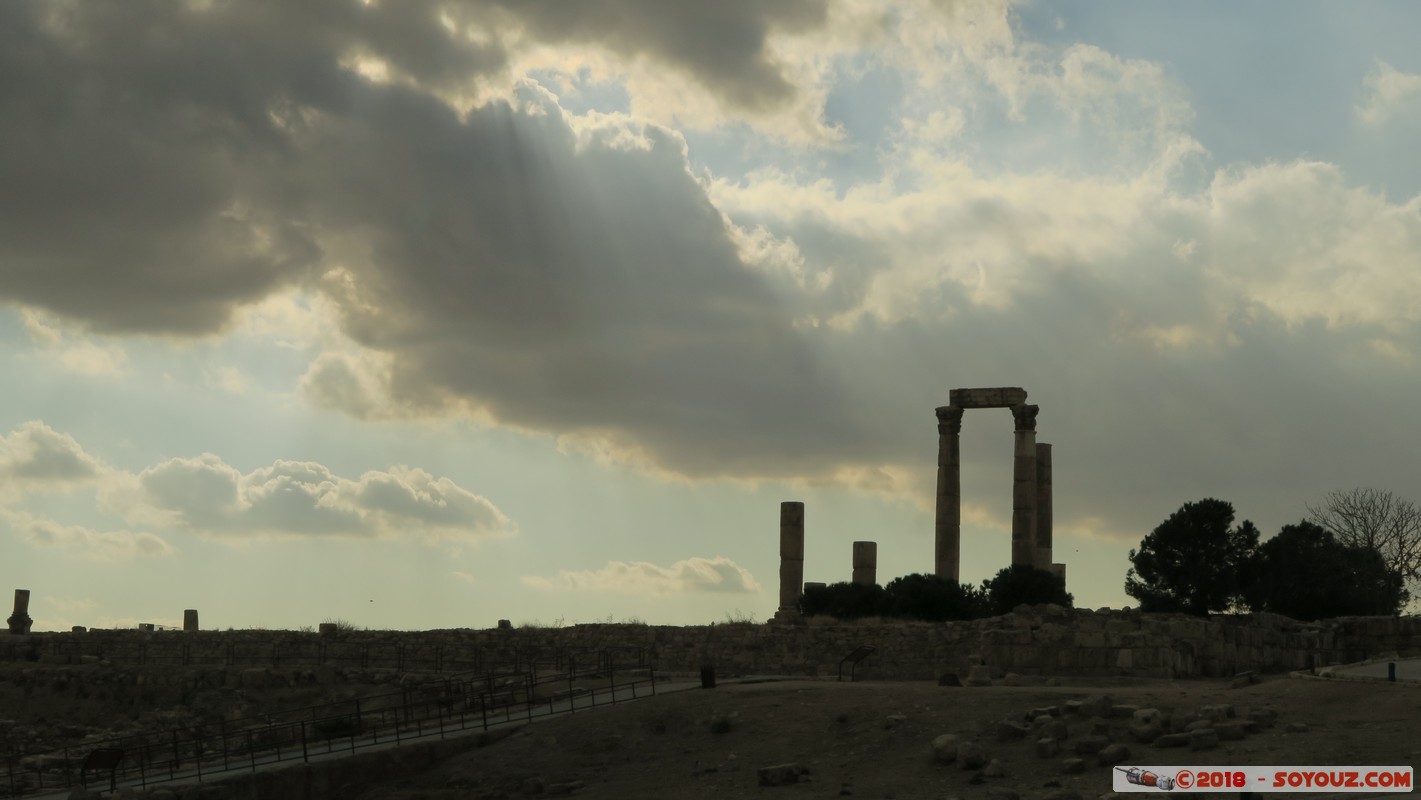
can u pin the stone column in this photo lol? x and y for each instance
(791, 559)
(190, 619)
(947, 530)
(1043, 506)
(1023, 498)
(866, 563)
(20, 621)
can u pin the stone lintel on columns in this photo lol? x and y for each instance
(1000, 397)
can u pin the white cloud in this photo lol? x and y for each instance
(81, 354)
(693, 575)
(1387, 92)
(37, 456)
(302, 498)
(98, 545)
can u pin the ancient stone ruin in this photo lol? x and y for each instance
(1030, 508)
(20, 621)
(1031, 483)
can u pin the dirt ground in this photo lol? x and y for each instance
(875, 740)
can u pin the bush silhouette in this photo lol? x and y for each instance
(1023, 583)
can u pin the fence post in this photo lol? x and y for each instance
(358, 725)
(176, 759)
(305, 756)
(612, 680)
(222, 726)
(251, 751)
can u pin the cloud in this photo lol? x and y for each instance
(693, 575)
(302, 498)
(79, 353)
(1388, 91)
(98, 545)
(352, 383)
(37, 456)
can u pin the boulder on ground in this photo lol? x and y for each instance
(782, 774)
(1205, 739)
(970, 755)
(945, 748)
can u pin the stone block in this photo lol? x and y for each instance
(1229, 731)
(1096, 705)
(1047, 747)
(945, 748)
(1205, 739)
(971, 756)
(997, 397)
(1113, 754)
(781, 774)
(1008, 730)
(979, 675)
(1091, 745)
(1072, 766)
(1171, 740)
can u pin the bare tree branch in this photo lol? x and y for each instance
(1378, 520)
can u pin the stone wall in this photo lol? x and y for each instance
(1042, 640)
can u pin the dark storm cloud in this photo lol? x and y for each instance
(150, 180)
(578, 286)
(719, 44)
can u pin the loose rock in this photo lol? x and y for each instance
(1113, 754)
(1203, 740)
(945, 748)
(781, 774)
(971, 756)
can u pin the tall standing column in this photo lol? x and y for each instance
(190, 619)
(866, 563)
(791, 559)
(1023, 498)
(1043, 506)
(20, 621)
(947, 530)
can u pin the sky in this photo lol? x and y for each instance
(428, 314)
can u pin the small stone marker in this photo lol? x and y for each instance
(329, 628)
(20, 621)
(979, 675)
(505, 625)
(190, 619)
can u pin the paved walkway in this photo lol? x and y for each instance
(343, 749)
(1408, 670)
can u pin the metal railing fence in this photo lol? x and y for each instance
(445, 706)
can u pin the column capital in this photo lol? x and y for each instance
(949, 420)
(1025, 416)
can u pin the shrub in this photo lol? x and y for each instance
(845, 601)
(1023, 583)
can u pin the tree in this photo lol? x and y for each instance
(935, 599)
(1377, 520)
(1305, 573)
(1194, 561)
(1023, 583)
